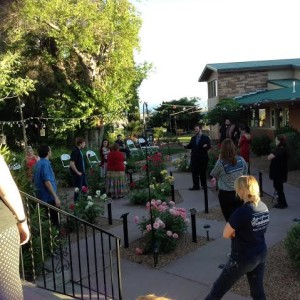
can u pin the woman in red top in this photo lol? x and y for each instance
(31, 160)
(116, 182)
(244, 144)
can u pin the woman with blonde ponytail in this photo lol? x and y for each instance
(246, 228)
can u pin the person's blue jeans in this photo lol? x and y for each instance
(234, 270)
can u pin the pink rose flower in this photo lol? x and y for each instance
(175, 235)
(139, 251)
(156, 225)
(169, 233)
(136, 219)
(148, 227)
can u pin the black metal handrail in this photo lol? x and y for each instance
(83, 263)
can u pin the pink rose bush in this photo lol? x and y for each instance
(169, 223)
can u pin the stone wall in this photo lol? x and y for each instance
(234, 84)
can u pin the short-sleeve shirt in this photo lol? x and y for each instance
(226, 174)
(44, 172)
(77, 158)
(250, 224)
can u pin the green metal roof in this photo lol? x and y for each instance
(284, 82)
(278, 95)
(248, 66)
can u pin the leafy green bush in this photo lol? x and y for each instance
(169, 224)
(18, 169)
(261, 145)
(159, 132)
(38, 216)
(292, 244)
(87, 208)
(182, 163)
(158, 190)
(94, 180)
(138, 197)
(168, 137)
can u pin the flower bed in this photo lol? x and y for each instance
(162, 227)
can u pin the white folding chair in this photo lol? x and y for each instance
(152, 146)
(65, 160)
(144, 145)
(132, 148)
(92, 158)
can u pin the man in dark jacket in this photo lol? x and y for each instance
(199, 144)
(279, 169)
(77, 167)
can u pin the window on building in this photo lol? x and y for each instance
(212, 89)
(262, 117)
(280, 118)
(254, 118)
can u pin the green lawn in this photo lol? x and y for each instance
(184, 138)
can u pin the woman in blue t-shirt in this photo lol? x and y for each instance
(246, 228)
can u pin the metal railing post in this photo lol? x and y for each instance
(193, 221)
(206, 227)
(261, 193)
(205, 200)
(125, 229)
(172, 189)
(109, 201)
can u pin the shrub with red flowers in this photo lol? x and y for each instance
(94, 179)
(169, 223)
(156, 165)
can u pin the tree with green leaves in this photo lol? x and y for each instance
(226, 109)
(81, 53)
(12, 83)
(183, 113)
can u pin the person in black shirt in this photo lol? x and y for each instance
(122, 145)
(77, 167)
(279, 169)
(246, 228)
(228, 130)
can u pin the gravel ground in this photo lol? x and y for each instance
(185, 245)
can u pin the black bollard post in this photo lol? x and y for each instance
(205, 200)
(261, 193)
(130, 176)
(109, 211)
(172, 189)
(193, 221)
(125, 229)
(173, 192)
(206, 227)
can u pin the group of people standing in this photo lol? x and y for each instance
(246, 216)
(112, 167)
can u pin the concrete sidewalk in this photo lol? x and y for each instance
(191, 277)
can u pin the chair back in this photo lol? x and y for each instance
(65, 160)
(92, 157)
(130, 144)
